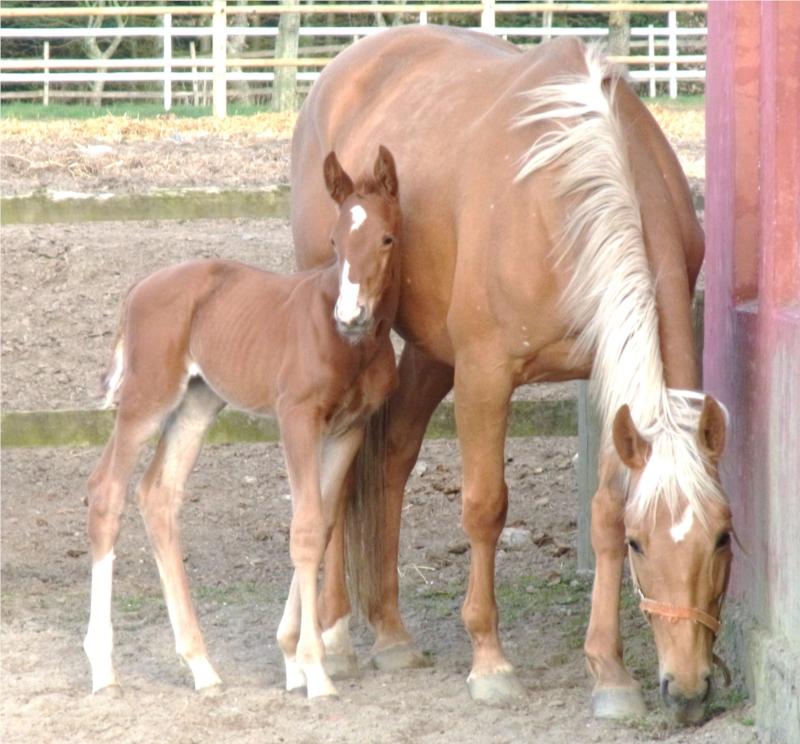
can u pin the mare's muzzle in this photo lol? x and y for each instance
(687, 708)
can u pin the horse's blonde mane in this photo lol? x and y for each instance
(610, 299)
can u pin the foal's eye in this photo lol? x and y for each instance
(388, 240)
(723, 540)
(634, 546)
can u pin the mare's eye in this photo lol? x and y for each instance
(634, 546)
(333, 243)
(388, 240)
(723, 540)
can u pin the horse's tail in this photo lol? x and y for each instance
(112, 378)
(365, 516)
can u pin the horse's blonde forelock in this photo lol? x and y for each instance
(610, 299)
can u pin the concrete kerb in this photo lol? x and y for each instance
(90, 428)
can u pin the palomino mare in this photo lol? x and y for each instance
(548, 234)
(312, 348)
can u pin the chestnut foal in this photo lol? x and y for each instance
(311, 348)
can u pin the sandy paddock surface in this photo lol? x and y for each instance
(61, 286)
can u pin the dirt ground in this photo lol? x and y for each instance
(61, 286)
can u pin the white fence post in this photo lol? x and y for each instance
(672, 23)
(488, 16)
(651, 51)
(423, 18)
(219, 44)
(46, 72)
(167, 28)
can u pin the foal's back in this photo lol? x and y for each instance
(239, 327)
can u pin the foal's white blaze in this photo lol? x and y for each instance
(359, 215)
(100, 635)
(681, 529)
(347, 305)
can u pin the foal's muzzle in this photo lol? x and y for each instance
(356, 328)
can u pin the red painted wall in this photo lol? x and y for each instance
(752, 321)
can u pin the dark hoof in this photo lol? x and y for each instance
(618, 703)
(496, 689)
(341, 666)
(401, 656)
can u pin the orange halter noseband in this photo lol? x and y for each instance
(673, 613)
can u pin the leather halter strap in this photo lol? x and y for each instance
(674, 613)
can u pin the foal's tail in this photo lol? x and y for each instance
(112, 378)
(366, 515)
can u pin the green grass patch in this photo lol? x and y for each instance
(242, 592)
(37, 111)
(681, 103)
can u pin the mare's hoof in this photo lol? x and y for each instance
(618, 703)
(109, 691)
(341, 666)
(400, 656)
(212, 691)
(496, 689)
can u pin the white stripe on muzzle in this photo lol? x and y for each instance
(347, 308)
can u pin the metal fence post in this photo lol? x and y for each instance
(588, 445)
(167, 43)
(219, 45)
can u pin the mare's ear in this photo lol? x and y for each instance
(632, 448)
(337, 181)
(385, 172)
(711, 430)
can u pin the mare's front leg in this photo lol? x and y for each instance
(303, 648)
(483, 389)
(616, 694)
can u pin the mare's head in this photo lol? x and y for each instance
(365, 239)
(679, 548)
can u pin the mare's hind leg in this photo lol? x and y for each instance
(160, 498)
(616, 693)
(423, 383)
(107, 490)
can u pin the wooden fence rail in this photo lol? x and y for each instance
(662, 59)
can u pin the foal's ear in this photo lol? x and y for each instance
(632, 448)
(338, 182)
(385, 172)
(712, 429)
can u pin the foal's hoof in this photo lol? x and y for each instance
(618, 703)
(212, 691)
(109, 692)
(341, 666)
(400, 656)
(496, 689)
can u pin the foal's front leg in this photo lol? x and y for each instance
(303, 652)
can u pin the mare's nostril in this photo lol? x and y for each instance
(709, 685)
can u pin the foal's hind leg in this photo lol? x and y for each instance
(107, 489)
(160, 498)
